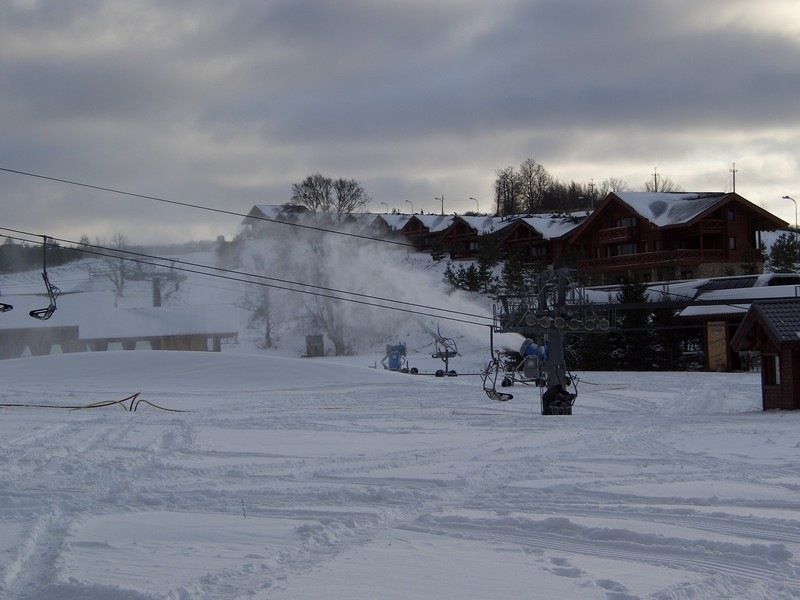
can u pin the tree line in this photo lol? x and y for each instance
(530, 188)
(16, 257)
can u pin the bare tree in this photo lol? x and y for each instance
(661, 184)
(534, 184)
(325, 195)
(507, 191)
(348, 196)
(612, 184)
(314, 192)
(115, 268)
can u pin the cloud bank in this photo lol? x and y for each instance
(228, 104)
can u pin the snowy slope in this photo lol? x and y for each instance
(295, 478)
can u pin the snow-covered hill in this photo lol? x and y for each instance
(323, 478)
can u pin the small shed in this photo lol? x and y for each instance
(772, 327)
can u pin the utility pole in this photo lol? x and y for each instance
(442, 199)
(655, 179)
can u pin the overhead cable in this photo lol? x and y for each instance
(116, 251)
(274, 286)
(202, 207)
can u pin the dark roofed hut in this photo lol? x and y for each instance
(772, 327)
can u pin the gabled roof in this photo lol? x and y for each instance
(394, 221)
(675, 209)
(554, 226)
(484, 225)
(433, 223)
(663, 209)
(275, 212)
(779, 318)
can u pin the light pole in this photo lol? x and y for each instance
(795, 221)
(477, 208)
(442, 200)
(387, 206)
(412, 206)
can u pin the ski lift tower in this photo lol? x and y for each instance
(554, 307)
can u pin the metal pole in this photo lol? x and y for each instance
(795, 221)
(477, 208)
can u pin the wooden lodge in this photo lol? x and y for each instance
(645, 236)
(668, 236)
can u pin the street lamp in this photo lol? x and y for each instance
(412, 206)
(795, 220)
(441, 198)
(386, 205)
(477, 208)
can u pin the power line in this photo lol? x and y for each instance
(280, 287)
(116, 251)
(201, 207)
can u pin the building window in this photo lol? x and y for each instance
(731, 243)
(539, 251)
(731, 214)
(473, 246)
(771, 365)
(623, 249)
(625, 222)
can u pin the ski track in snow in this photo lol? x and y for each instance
(666, 486)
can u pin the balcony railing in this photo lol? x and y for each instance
(614, 235)
(653, 258)
(712, 226)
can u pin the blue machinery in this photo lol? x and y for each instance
(554, 308)
(445, 349)
(395, 359)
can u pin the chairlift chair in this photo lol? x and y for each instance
(52, 291)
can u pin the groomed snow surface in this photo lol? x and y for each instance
(326, 479)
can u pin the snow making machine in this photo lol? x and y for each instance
(395, 359)
(553, 308)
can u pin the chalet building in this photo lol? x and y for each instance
(461, 238)
(388, 225)
(772, 327)
(261, 215)
(538, 238)
(675, 235)
(425, 231)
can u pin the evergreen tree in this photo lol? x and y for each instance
(633, 349)
(783, 254)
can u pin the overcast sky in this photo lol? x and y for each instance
(229, 103)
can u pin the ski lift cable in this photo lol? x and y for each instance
(280, 287)
(116, 251)
(202, 207)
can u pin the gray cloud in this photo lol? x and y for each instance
(229, 103)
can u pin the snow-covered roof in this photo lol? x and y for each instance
(485, 225)
(670, 208)
(435, 223)
(395, 221)
(276, 212)
(735, 301)
(554, 226)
